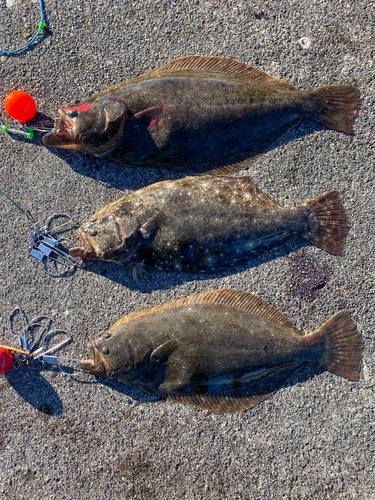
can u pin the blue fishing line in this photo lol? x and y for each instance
(41, 28)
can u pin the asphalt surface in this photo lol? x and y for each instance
(91, 438)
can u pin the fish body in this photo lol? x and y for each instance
(222, 350)
(206, 223)
(197, 114)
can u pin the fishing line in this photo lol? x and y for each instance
(14, 203)
(13, 349)
(51, 252)
(41, 27)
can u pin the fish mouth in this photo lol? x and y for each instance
(62, 135)
(87, 251)
(93, 365)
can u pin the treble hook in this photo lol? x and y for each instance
(50, 251)
(29, 345)
(23, 339)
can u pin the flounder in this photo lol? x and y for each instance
(205, 224)
(197, 114)
(222, 350)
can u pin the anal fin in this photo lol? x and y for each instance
(228, 164)
(237, 399)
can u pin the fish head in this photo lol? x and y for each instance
(95, 126)
(111, 357)
(108, 238)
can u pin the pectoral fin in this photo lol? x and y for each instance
(160, 123)
(161, 353)
(139, 273)
(153, 224)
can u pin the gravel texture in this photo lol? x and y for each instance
(91, 438)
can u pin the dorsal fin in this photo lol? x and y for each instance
(246, 184)
(225, 66)
(112, 207)
(235, 298)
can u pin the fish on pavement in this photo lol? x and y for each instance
(222, 350)
(205, 224)
(197, 114)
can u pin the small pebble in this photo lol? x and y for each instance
(305, 42)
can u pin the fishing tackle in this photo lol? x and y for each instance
(36, 343)
(43, 246)
(48, 250)
(20, 106)
(22, 130)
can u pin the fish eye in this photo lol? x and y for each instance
(93, 232)
(73, 113)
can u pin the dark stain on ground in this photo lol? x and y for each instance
(69, 429)
(137, 469)
(29, 474)
(308, 278)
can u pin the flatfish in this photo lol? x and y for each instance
(222, 350)
(205, 224)
(197, 115)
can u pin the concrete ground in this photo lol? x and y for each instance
(88, 438)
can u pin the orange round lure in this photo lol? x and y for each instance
(20, 106)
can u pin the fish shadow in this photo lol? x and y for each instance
(33, 388)
(40, 119)
(111, 173)
(134, 178)
(304, 372)
(129, 390)
(164, 280)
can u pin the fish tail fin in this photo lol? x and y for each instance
(328, 223)
(343, 346)
(337, 106)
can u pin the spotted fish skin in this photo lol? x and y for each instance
(197, 115)
(206, 223)
(223, 350)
